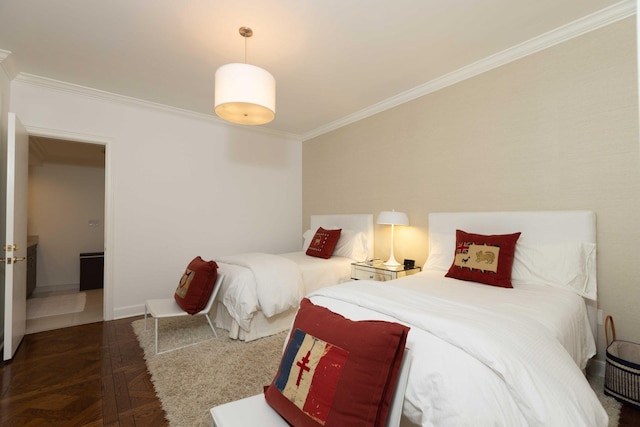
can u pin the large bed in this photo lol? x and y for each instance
(490, 355)
(261, 292)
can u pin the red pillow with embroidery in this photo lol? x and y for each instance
(323, 243)
(484, 259)
(196, 285)
(336, 371)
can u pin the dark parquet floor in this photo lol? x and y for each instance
(88, 375)
(93, 375)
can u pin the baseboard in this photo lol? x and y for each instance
(128, 311)
(74, 287)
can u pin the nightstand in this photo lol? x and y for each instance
(376, 270)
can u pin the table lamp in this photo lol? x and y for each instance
(392, 218)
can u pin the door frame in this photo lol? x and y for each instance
(107, 142)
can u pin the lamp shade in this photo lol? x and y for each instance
(393, 218)
(245, 94)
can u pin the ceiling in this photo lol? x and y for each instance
(331, 59)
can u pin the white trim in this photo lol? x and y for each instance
(6, 64)
(107, 296)
(88, 92)
(569, 31)
(66, 135)
(56, 288)
(128, 311)
(109, 227)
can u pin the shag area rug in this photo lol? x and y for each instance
(192, 380)
(55, 305)
(611, 405)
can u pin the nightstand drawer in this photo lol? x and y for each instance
(362, 273)
(380, 272)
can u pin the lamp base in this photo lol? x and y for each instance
(392, 263)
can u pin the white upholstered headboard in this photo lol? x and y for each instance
(356, 222)
(535, 226)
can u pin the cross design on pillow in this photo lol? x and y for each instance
(303, 366)
(463, 247)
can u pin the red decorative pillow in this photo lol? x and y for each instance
(484, 259)
(323, 243)
(337, 372)
(196, 285)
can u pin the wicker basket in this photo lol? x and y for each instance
(622, 372)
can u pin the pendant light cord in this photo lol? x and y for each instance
(245, 32)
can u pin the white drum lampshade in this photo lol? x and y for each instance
(245, 94)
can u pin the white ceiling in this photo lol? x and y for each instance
(332, 59)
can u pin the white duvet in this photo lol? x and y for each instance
(480, 357)
(278, 281)
(274, 284)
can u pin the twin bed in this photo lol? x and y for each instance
(261, 292)
(486, 354)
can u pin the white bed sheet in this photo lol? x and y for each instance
(470, 377)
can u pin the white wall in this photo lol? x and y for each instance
(178, 186)
(63, 199)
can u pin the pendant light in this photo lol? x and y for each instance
(245, 94)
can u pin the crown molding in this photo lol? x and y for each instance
(33, 80)
(68, 136)
(6, 64)
(602, 18)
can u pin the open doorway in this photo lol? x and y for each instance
(66, 229)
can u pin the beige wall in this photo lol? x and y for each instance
(555, 130)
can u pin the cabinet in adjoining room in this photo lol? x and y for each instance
(91, 270)
(32, 257)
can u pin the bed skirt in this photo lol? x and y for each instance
(261, 326)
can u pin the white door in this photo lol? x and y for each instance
(15, 242)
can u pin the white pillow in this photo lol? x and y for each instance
(307, 237)
(442, 249)
(568, 265)
(352, 244)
